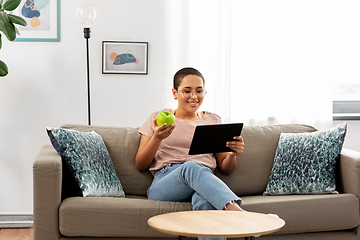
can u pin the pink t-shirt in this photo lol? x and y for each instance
(175, 148)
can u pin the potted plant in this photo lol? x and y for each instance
(7, 26)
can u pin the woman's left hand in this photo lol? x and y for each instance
(236, 146)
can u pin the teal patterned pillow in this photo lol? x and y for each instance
(86, 155)
(305, 163)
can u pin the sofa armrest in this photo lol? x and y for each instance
(350, 172)
(47, 178)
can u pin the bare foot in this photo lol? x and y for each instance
(233, 206)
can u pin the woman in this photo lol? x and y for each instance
(177, 175)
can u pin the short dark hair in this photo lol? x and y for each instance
(179, 76)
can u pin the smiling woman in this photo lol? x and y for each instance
(178, 176)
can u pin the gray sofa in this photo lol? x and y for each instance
(328, 216)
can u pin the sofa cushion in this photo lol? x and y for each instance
(122, 144)
(88, 160)
(308, 213)
(305, 162)
(113, 217)
(253, 166)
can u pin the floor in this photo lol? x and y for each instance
(16, 233)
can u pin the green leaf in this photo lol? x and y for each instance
(11, 5)
(1, 3)
(4, 19)
(17, 20)
(9, 31)
(3, 69)
(0, 42)
(17, 31)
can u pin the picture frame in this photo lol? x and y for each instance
(119, 57)
(43, 21)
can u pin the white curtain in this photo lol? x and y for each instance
(264, 62)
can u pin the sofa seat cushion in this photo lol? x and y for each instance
(113, 217)
(308, 213)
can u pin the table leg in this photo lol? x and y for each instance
(249, 238)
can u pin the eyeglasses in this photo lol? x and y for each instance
(200, 93)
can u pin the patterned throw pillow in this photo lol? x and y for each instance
(85, 154)
(305, 163)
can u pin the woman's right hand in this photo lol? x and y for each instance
(149, 146)
(160, 132)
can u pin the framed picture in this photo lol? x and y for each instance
(125, 57)
(43, 20)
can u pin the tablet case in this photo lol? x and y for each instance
(213, 138)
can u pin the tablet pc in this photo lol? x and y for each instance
(213, 138)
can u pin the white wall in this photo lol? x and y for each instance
(46, 86)
(352, 138)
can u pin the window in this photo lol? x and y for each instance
(346, 103)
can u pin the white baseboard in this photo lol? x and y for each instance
(16, 220)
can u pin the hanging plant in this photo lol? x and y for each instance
(7, 26)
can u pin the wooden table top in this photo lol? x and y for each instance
(216, 223)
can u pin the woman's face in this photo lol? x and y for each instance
(191, 86)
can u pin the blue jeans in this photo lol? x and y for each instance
(191, 181)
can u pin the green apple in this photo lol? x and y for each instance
(165, 117)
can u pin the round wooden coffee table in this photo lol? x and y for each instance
(216, 223)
